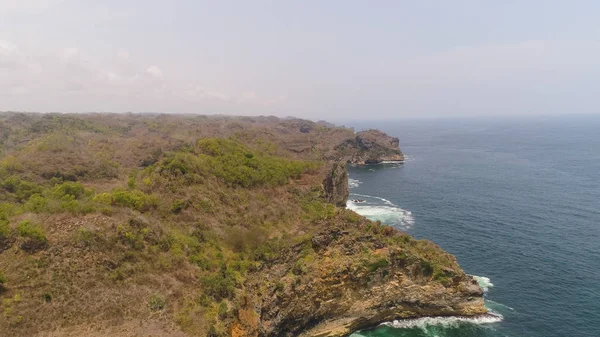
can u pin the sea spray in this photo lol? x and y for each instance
(380, 209)
(447, 322)
(484, 282)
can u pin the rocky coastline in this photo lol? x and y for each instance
(204, 226)
(358, 279)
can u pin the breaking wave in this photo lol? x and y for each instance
(376, 208)
(352, 183)
(447, 322)
(484, 282)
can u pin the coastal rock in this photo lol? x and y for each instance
(370, 147)
(336, 185)
(336, 291)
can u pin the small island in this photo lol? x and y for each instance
(187, 225)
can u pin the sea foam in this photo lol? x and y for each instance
(377, 208)
(484, 282)
(448, 322)
(353, 183)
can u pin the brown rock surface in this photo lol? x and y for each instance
(336, 185)
(347, 283)
(370, 147)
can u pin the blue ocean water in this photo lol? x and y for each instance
(516, 201)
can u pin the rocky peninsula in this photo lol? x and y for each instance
(184, 225)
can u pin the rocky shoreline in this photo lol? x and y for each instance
(359, 275)
(208, 226)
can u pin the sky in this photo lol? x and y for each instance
(313, 59)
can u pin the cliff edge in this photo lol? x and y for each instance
(169, 225)
(353, 274)
(370, 147)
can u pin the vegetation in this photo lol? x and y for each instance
(34, 235)
(140, 216)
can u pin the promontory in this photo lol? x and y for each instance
(186, 225)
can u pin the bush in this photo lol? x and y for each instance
(22, 190)
(73, 189)
(381, 263)
(133, 236)
(219, 285)
(232, 163)
(2, 279)
(5, 235)
(137, 200)
(223, 310)
(36, 204)
(178, 206)
(318, 210)
(34, 235)
(156, 303)
(426, 267)
(5, 232)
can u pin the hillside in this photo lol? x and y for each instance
(175, 225)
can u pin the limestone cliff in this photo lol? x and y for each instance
(370, 147)
(203, 226)
(335, 185)
(356, 275)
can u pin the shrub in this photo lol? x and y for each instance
(137, 200)
(36, 204)
(223, 310)
(5, 235)
(5, 232)
(381, 263)
(131, 182)
(426, 267)
(219, 285)
(232, 163)
(69, 204)
(132, 236)
(157, 302)
(22, 190)
(34, 235)
(87, 238)
(2, 279)
(73, 189)
(178, 206)
(318, 210)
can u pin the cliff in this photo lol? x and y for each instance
(370, 147)
(353, 276)
(336, 186)
(127, 225)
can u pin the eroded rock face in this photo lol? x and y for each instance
(336, 185)
(351, 279)
(370, 147)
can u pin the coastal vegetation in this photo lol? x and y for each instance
(180, 220)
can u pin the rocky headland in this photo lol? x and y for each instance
(172, 225)
(369, 147)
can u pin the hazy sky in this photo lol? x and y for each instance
(315, 59)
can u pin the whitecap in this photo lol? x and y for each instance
(353, 183)
(447, 322)
(372, 197)
(380, 209)
(484, 282)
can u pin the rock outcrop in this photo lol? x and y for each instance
(345, 279)
(370, 147)
(336, 185)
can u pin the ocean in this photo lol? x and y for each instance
(517, 201)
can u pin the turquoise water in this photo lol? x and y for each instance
(518, 203)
